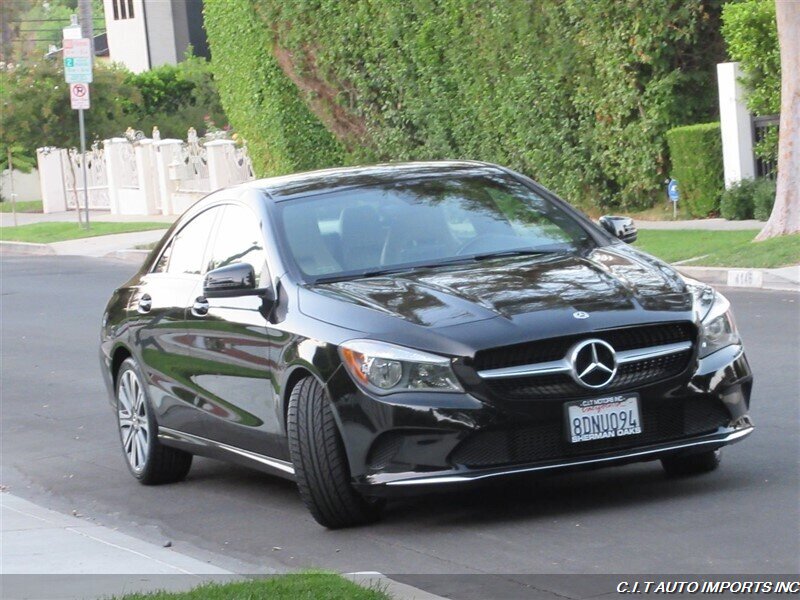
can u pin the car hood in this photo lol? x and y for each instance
(523, 296)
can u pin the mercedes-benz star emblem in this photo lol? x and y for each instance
(580, 315)
(594, 363)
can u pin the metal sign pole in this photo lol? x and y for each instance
(83, 168)
(78, 55)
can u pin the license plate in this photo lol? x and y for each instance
(603, 418)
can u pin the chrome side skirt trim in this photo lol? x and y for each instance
(726, 439)
(173, 434)
(563, 365)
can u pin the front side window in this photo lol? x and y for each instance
(239, 240)
(425, 222)
(187, 249)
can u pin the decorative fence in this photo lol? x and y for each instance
(765, 128)
(139, 176)
(96, 176)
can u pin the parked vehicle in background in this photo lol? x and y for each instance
(399, 329)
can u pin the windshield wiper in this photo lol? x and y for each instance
(391, 270)
(517, 252)
(433, 265)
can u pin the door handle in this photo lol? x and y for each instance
(200, 307)
(145, 303)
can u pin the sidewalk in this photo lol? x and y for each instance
(117, 245)
(7, 219)
(709, 224)
(47, 555)
(37, 541)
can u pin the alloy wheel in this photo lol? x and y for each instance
(134, 427)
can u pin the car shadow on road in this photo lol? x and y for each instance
(523, 497)
(558, 495)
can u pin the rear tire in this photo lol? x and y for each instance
(148, 460)
(692, 464)
(320, 462)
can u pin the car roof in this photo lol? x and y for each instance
(296, 185)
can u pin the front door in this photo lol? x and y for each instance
(232, 366)
(159, 331)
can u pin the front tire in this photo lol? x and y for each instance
(320, 462)
(148, 460)
(692, 464)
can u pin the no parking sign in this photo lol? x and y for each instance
(79, 96)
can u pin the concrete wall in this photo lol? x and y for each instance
(736, 125)
(127, 38)
(26, 185)
(161, 34)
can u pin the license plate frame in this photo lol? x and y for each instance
(596, 421)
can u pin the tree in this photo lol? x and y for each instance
(35, 110)
(785, 217)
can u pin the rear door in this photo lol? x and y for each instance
(165, 351)
(233, 370)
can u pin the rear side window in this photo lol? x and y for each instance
(239, 240)
(187, 249)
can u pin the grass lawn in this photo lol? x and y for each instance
(720, 248)
(29, 206)
(44, 233)
(303, 586)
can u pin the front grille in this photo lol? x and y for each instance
(663, 420)
(626, 338)
(561, 385)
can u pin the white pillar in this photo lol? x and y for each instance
(145, 168)
(220, 153)
(113, 157)
(51, 177)
(165, 151)
(736, 125)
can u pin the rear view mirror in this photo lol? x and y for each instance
(238, 279)
(620, 227)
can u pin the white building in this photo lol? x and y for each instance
(143, 34)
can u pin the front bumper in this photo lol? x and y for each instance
(412, 443)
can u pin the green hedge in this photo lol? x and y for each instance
(577, 94)
(175, 98)
(749, 199)
(696, 153)
(261, 102)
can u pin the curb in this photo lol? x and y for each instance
(394, 589)
(786, 279)
(27, 248)
(132, 255)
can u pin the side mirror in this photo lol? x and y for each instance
(238, 279)
(620, 227)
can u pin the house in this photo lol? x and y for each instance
(143, 34)
(100, 49)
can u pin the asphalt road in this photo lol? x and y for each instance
(60, 448)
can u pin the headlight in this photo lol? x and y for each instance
(718, 329)
(384, 368)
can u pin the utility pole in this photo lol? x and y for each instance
(87, 24)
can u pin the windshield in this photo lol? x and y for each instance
(423, 223)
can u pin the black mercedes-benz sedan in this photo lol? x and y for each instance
(406, 328)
